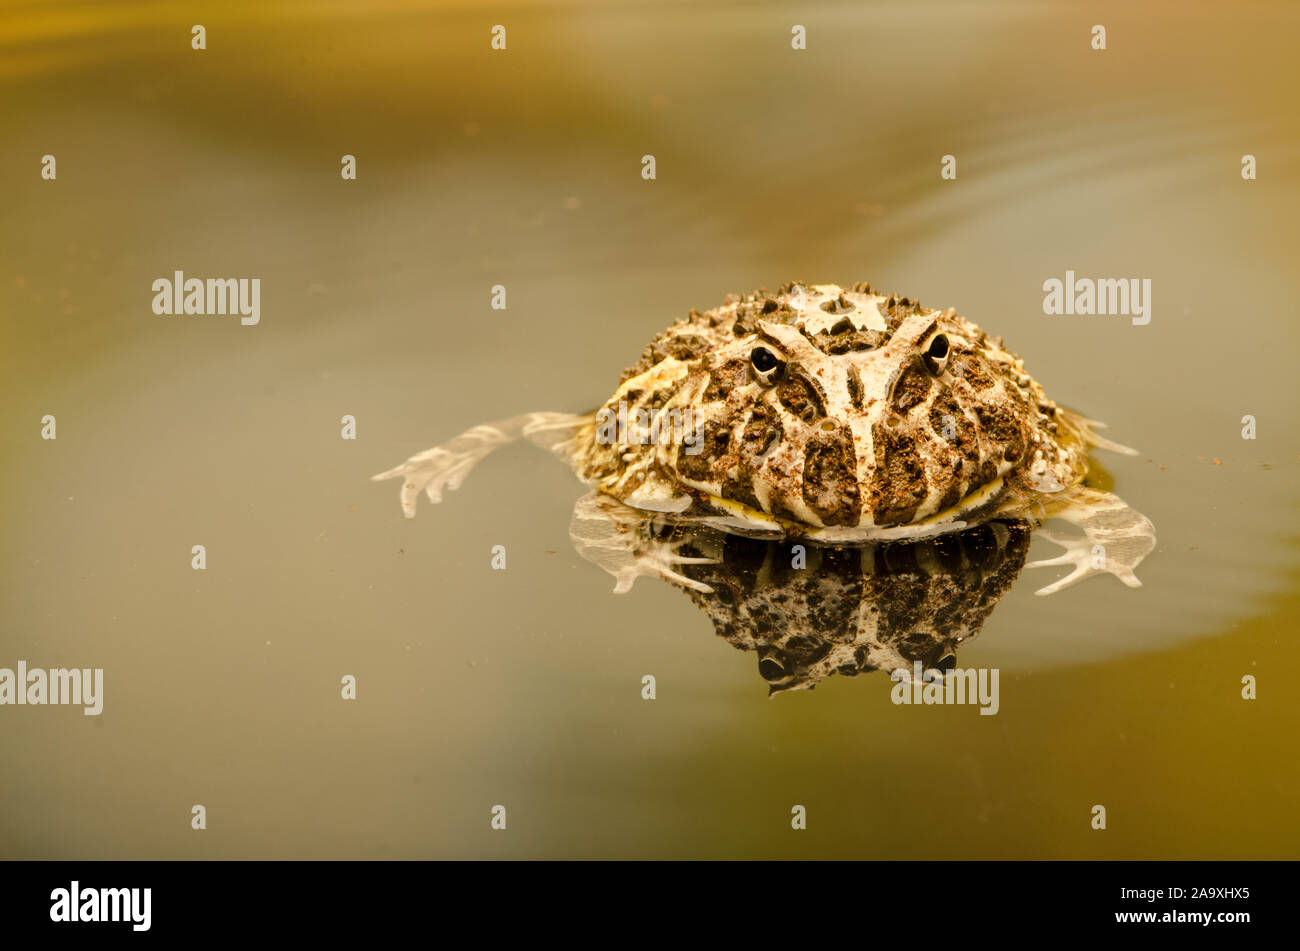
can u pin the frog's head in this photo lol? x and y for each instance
(829, 407)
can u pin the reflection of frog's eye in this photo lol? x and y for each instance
(770, 669)
(768, 367)
(936, 355)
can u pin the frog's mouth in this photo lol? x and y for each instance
(975, 507)
(969, 507)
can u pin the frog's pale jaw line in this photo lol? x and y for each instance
(983, 496)
(738, 510)
(948, 520)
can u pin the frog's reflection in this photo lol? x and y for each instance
(809, 611)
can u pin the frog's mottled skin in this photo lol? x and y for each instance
(835, 414)
(858, 430)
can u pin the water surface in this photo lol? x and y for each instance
(523, 687)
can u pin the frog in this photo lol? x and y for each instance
(833, 414)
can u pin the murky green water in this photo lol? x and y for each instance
(523, 687)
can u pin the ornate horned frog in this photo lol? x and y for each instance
(837, 415)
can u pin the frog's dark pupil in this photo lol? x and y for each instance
(763, 359)
(939, 347)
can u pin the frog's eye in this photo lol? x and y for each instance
(936, 355)
(770, 667)
(768, 367)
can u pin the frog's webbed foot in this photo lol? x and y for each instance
(1114, 539)
(623, 542)
(446, 466)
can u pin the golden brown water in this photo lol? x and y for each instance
(522, 687)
